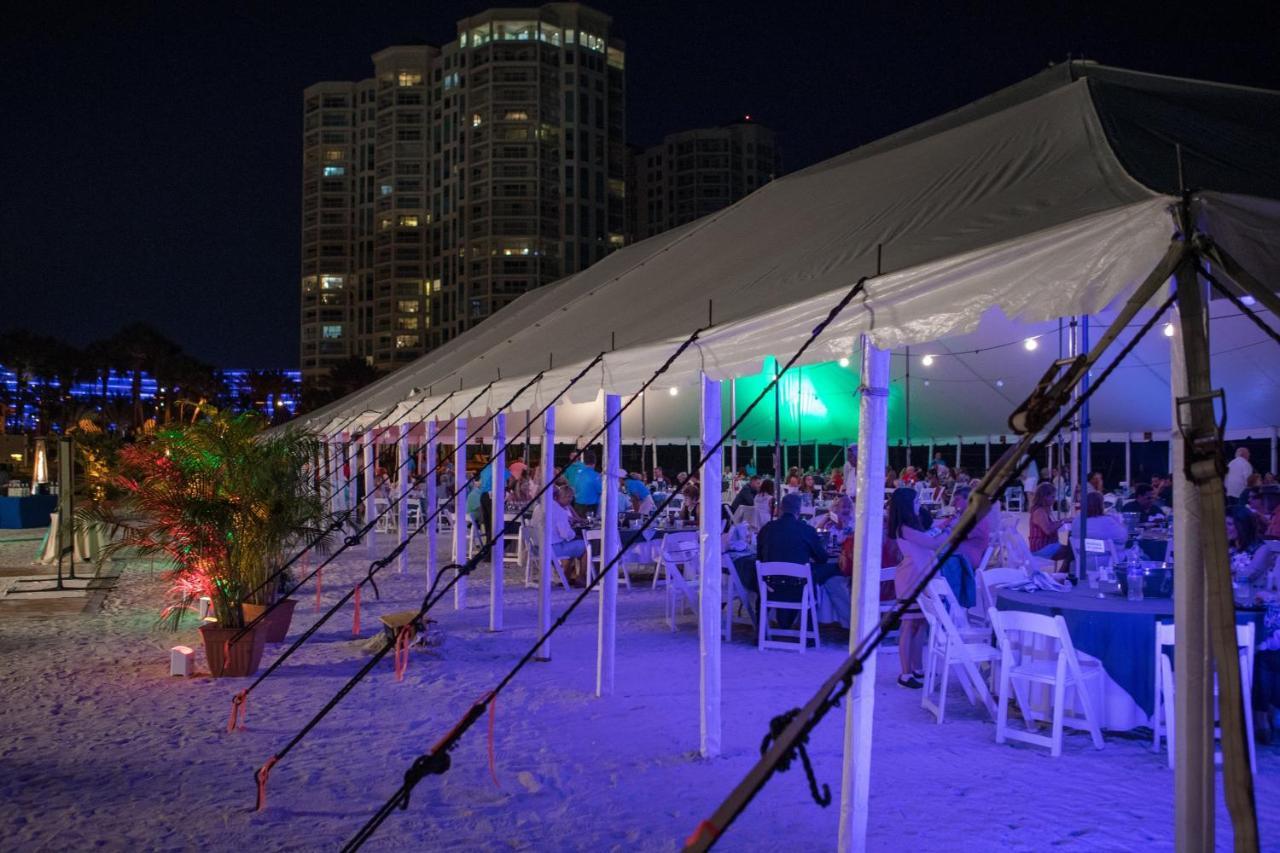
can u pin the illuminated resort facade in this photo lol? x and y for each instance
(456, 178)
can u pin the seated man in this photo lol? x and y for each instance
(746, 495)
(1143, 503)
(787, 539)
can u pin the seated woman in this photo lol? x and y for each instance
(839, 517)
(763, 505)
(565, 542)
(1243, 543)
(689, 508)
(1042, 538)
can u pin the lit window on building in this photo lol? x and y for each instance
(476, 119)
(333, 154)
(549, 34)
(408, 324)
(334, 171)
(515, 115)
(332, 333)
(409, 221)
(331, 282)
(451, 81)
(407, 306)
(385, 189)
(514, 31)
(409, 78)
(406, 341)
(480, 36)
(617, 59)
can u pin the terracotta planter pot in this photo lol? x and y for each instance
(277, 621)
(245, 656)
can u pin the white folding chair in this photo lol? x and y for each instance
(948, 647)
(386, 522)
(1023, 662)
(806, 608)
(1163, 721)
(681, 580)
(677, 549)
(510, 535)
(413, 513)
(595, 557)
(1013, 497)
(1099, 554)
(533, 553)
(990, 578)
(886, 576)
(734, 591)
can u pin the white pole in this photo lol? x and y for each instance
(1128, 462)
(498, 506)
(610, 545)
(338, 499)
(460, 509)
(353, 465)
(733, 417)
(986, 454)
(369, 479)
(653, 467)
(928, 460)
(548, 465)
(959, 442)
(755, 456)
(433, 554)
(688, 457)
(709, 575)
(864, 585)
(402, 459)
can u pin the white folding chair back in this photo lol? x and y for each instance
(1164, 720)
(947, 647)
(677, 549)
(386, 522)
(1013, 498)
(887, 574)
(1094, 560)
(512, 536)
(989, 579)
(734, 591)
(413, 513)
(806, 608)
(1052, 661)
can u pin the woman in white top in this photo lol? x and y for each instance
(763, 506)
(918, 547)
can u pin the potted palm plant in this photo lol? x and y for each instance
(222, 502)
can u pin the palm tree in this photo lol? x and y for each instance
(142, 349)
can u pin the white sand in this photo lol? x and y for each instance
(100, 747)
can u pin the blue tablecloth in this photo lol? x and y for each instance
(30, 511)
(1118, 632)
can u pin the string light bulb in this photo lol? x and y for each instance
(844, 362)
(999, 383)
(1168, 330)
(1030, 344)
(927, 361)
(674, 391)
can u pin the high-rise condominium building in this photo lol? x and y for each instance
(456, 178)
(696, 172)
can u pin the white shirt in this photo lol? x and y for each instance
(850, 480)
(1238, 473)
(561, 529)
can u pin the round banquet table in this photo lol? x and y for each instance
(1119, 633)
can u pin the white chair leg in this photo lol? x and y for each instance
(1086, 701)
(1059, 703)
(1002, 710)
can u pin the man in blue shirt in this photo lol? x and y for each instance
(585, 480)
(484, 500)
(641, 498)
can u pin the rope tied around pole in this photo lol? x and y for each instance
(798, 749)
(239, 711)
(403, 638)
(260, 777)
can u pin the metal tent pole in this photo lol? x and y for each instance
(460, 508)
(709, 576)
(498, 520)
(610, 545)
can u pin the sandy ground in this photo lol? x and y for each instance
(101, 748)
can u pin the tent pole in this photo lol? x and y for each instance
(986, 453)
(1193, 785)
(799, 419)
(353, 464)
(610, 545)
(369, 478)
(709, 577)
(432, 428)
(548, 466)
(1128, 462)
(865, 591)
(755, 456)
(688, 456)
(777, 433)
(907, 407)
(402, 493)
(460, 508)
(959, 444)
(644, 428)
(498, 522)
(733, 417)
(1082, 387)
(928, 460)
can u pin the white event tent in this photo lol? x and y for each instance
(976, 230)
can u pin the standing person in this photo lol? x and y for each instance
(763, 504)
(918, 547)
(1238, 472)
(641, 497)
(659, 483)
(585, 481)
(1042, 537)
(851, 471)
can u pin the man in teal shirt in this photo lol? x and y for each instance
(585, 480)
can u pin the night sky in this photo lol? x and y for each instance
(152, 150)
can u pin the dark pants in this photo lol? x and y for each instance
(486, 515)
(783, 589)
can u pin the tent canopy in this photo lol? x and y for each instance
(1050, 198)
